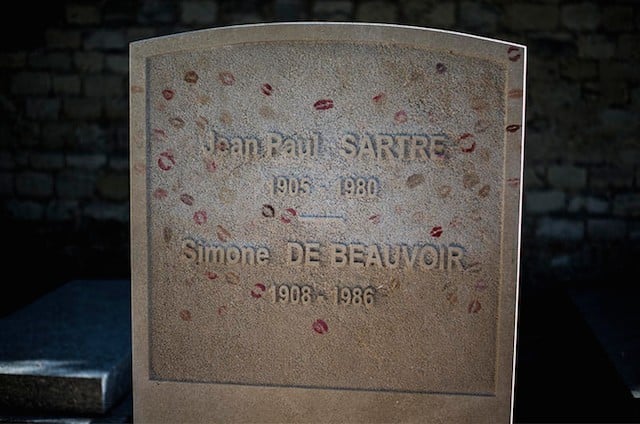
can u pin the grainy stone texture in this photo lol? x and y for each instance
(225, 159)
(69, 351)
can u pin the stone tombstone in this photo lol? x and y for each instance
(325, 224)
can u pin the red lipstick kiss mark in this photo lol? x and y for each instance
(513, 182)
(378, 98)
(441, 68)
(210, 164)
(226, 78)
(513, 128)
(191, 77)
(202, 122)
(319, 326)
(186, 199)
(159, 193)
(516, 93)
(177, 122)
(166, 160)
(259, 289)
(375, 218)
(480, 286)
(323, 104)
(266, 89)
(288, 215)
(168, 94)
(159, 134)
(400, 117)
(222, 233)
(211, 275)
(469, 148)
(513, 53)
(268, 211)
(200, 217)
(185, 315)
(222, 310)
(436, 231)
(474, 307)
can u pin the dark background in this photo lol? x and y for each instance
(64, 158)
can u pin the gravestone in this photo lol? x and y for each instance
(325, 224)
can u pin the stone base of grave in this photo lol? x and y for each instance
(68, 354)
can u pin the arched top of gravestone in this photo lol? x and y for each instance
(325, 223)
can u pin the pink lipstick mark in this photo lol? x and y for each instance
(319, 326)
(323, 104)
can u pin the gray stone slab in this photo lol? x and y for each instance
(325, 224)
(69, 351)
(614, 317)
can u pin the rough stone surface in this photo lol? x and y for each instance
(69, 351)
(256, 168)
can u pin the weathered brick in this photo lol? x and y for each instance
(47, 161)
(614, 176)
(198, 12)
(376, 11)
(6, 160)
(590, 204)
(83, 14)
(596, 47)
(31, 83)
(619, 121)
(25, 210)
(34, 184)
(104, 85)
(606, 229)
(66, 84)
(56, 61)
(86, 161)
(140, 33)
(614, 70)
(333, 9)
(157, 12)
(62, 210)
(116, 108)
(567, 177)
(75, 185)
(63, 38)
(628, 46)
(560, 229)
(542, 202)
(56, 134)
(6, 184)
(113, 186)
(108, 211)
(581, 16)
(105, 39)
(90, 138)
(42, 108)
(526, 16)
(478, 17)
(89, 61)
(533, 177)
(627, 204)
(81, 108)
(119, 163)
(579, 69)
(617, 18)
(117, 63)
(441, 14)
(13, 60)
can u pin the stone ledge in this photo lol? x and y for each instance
(70, 351)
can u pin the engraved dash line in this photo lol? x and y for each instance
(320, 218)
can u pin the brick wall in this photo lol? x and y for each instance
(63, 133)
